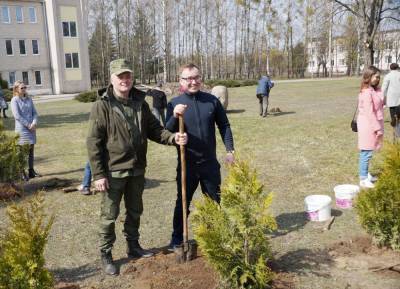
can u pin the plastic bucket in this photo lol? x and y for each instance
(318, 207)
(345, 194)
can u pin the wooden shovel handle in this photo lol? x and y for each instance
(183, 183)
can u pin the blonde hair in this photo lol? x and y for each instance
(16, 85)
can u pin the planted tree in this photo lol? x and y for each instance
(378, 209)
(22, 247)
(12, 157)
(233, 236)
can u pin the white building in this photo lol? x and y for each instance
(45, 44)
(387, 51)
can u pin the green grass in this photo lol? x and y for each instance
(308, 149)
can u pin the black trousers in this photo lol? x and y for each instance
(394, 115)
(209, 176)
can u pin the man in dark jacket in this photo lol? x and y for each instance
(263, 88)
(159, 102)
(201, 112)
(120, 124)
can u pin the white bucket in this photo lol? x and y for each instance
(345, 194)
(318, 207)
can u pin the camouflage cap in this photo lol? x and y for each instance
(119, 66)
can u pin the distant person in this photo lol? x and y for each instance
(202, 113)
(391, 92)
(369, 122)
(159, 102)
(120, 124)
(3, 103)
(26, 117)
(84, 188)
(263, 89)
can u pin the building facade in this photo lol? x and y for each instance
(44, 43)
(387, 51)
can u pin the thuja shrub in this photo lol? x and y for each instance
(378, 209)
(87, 96)
(12, 157)
(22, 247)
(233, 236)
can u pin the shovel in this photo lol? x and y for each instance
(188, 250)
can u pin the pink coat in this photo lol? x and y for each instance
(370, 119)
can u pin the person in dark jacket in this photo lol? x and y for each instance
(263, 88)
(119, 125)
(159, 102)
(3, 103)
(201, 113)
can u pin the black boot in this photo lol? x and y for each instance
(4, 113)
(108, 263)
(136, 251)
(33, 174)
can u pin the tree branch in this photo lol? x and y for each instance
(347, 7)
(390, 17)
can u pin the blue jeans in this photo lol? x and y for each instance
(365, 157)
(87, 178)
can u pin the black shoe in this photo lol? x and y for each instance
(136, 251)
(108, 263)
(33, 174)
(173, 246)
(24, 176)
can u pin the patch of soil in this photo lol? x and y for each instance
(10, 191)
(162, 271)
(361, 260)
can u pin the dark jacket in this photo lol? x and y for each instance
(264, 85)
(159, 98)
(109, 142)
(202, 113)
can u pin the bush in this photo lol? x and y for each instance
(12, 157)
(8, 94)
(232, 236)
(88, 96)
(3, 83)
(230, 82)
(22, 248)
(378, 209)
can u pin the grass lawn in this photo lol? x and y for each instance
(307, 149)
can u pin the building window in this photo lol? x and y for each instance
(11, 78)
(25, 77)
(22, 49)
(388, 59)
(32, 15)
(332, 62)
(38, 78)
(376, 60)
(5, 14)
(35, 47)
(9, 48)
(342, 61)
(389, 45)
(71, 60)
(69, 29)
(19, 15)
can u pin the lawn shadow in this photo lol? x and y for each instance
(50, 120)
(75, 274)
(153, 183)
(281, 113)
(289, 222)
(304, 261)
(62, 173)
(235, 111)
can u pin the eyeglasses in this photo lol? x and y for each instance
(196, 78)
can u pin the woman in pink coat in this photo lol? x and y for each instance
(369, 122)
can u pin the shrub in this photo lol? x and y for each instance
(230, 82)
(7, 94)
(22, 247)
(3, 83)
(12, 157)
(88, 96)
(232, 236)
(378, 209)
